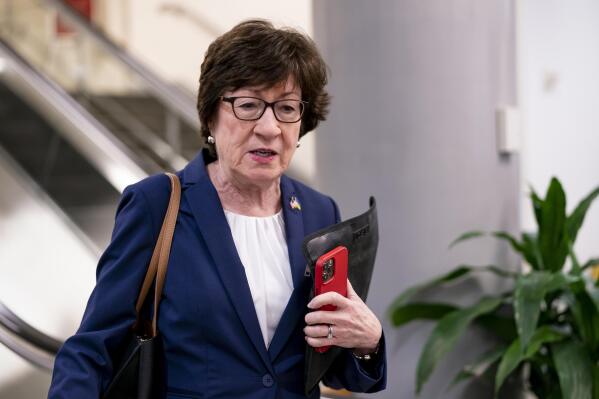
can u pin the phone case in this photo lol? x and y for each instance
(330, 275)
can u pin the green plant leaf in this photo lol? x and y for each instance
(576, 219)
(537, 206)
(529, 294)
(576, 269)
(455, 274)
(553, 236)
(413, 311)
(574, 369)
(585, 317)
(596, 381)
(466, 236)
(591, 263)
(515, 244)
(532, 253)
(446, 333)
(592, 290)
(529, 252)
(501, 326)
(515, 354)
(528, 247)
(497, 271)
(479, 366)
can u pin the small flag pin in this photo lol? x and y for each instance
(294, 204)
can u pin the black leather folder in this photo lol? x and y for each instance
(360, 235)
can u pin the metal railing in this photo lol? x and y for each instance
(17, 326)
(30, 353)
(175, 100)
(110, 157)
(17, 335)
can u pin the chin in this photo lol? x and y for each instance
(264, 176)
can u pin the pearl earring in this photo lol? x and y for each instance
(210, 140)
(298, 145)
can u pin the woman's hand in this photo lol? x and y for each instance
(353, 323)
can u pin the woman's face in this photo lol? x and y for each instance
(256, 152)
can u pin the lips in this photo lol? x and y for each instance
(263, 152)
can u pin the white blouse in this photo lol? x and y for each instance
(262, 248)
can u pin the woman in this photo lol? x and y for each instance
(233, 316)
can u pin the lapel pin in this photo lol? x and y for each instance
(294, 204)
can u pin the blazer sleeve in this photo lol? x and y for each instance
(83, 367)
(357, 375)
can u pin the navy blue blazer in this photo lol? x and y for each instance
(212, 339)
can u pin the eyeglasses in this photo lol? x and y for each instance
(252, 108)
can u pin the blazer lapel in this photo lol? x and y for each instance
(294, 230)
(209, 215)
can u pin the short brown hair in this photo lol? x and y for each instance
(255, 53)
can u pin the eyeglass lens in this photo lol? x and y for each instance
(249, 108)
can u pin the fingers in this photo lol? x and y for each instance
(354, 324)
(323, 317)
(350, 290)
(317, 330)
(328, 298)
(318, 342)
(318, 335)
(334, 298)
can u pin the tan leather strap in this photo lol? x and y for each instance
(159, 261)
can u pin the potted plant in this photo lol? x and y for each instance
(547, 322)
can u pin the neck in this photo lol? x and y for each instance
(243, 197)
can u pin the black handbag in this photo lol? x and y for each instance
(360, 235)
(140, 374)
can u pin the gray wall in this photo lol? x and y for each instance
(415, 85)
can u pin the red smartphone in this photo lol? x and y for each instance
(330, 274)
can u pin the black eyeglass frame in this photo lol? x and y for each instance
(232, 99)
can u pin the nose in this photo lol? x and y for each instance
(268, 125)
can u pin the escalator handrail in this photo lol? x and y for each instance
(34, 356)
(175, 100)
(111, 157)
(17, 326)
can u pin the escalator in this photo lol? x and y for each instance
(80, 119)
(75, 137)
(58, 168)
(76, 140)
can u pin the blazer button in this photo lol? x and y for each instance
(267, 380)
